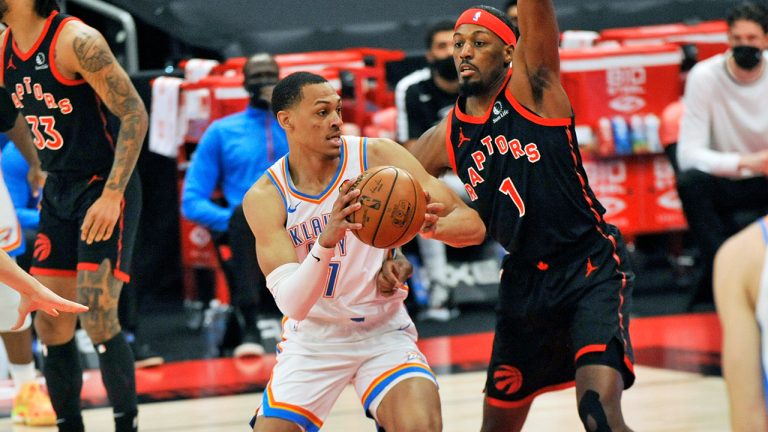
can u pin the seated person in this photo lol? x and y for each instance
(722, 151)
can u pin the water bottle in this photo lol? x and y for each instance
(652, 125)
(621, 139)
(639, 138)
(605, 137)
(214, 327)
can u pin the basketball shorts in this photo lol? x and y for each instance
(553, 321)
(58, 250)
(313, 367)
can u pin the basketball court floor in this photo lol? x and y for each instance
(678, 387)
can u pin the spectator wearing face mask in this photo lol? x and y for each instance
(232, 154)
(722, 149)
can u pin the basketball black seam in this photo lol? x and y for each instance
(386, 203)
(413, 214)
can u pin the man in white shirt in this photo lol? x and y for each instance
(723, 144)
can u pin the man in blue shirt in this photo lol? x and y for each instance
(232, 154)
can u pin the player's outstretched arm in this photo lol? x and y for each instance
(34, 295)
(296, 286)
(82, 51)
(535, 79)
(738, 266)
(449, 219)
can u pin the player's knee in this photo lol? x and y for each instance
(426, 422)
(599, 415)
(55, 330)
(99, 325)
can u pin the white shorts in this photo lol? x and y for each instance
(311, 372)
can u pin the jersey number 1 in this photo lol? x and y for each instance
(508, 188)
(49, 137)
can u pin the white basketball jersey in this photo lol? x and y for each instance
(10, 230)
(761, 309)
(350, 287)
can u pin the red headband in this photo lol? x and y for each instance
(488, 20)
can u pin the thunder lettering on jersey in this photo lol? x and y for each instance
(350, 285)
(67, 118)
(523, 174)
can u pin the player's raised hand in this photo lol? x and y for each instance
(337, 225)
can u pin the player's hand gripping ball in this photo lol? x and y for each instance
(393, 207)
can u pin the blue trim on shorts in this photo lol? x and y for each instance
(383, 384)
(284, 414)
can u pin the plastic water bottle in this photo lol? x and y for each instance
(652, 125)
(621, 139)
(214, 327)
(639, 137)
(605, 137)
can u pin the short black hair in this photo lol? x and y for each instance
(436, 28)
(750, 12)
(502, 16)
(44, 8)
(510, 3)
(287, 92)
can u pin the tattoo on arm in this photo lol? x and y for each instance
(114, 86)
(91, 56)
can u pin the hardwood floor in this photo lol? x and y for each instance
(661, 400)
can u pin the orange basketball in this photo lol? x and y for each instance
(393, 207)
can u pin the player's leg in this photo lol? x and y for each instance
(306, 380)
(600, 329)
(61, 360)
(531, 347)
(411, 405)
(395, 383)
(504, 419)
(598, 395)
(53, 263)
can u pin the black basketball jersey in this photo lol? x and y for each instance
(524, 175)
(67, 118)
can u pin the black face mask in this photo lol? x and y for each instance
(747, 57)
(446, 69)
(255, 92)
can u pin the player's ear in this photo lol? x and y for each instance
(284, 118)
(509, 52)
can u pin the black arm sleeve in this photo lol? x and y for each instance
(8, 112)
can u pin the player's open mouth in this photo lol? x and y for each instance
(335, 139)
(466, 70)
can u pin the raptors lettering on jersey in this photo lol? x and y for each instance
(501, 145)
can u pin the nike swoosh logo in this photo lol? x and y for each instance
(313, 256)
(293, 209)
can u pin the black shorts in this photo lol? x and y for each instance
(58, 250)
(552, 321)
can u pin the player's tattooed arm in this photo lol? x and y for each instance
(98, 66)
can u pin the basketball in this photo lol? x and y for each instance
(393, 207)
